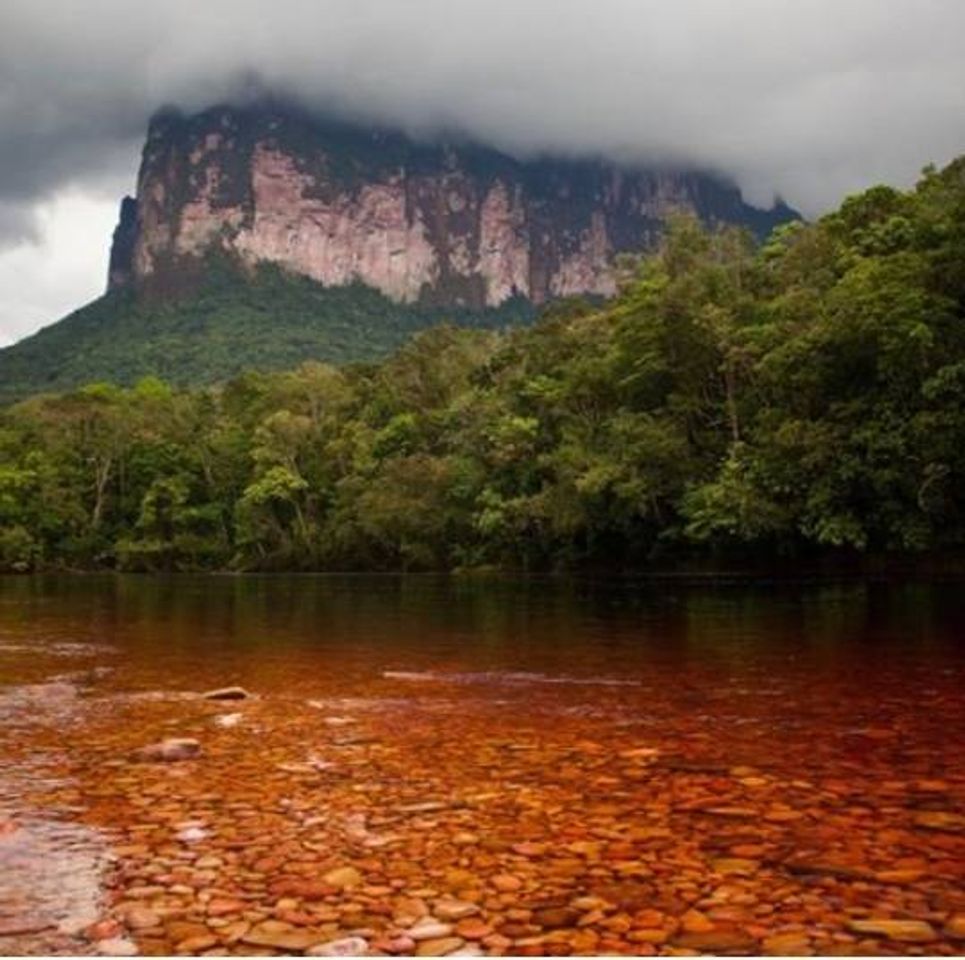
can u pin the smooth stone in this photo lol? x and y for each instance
(940, 820)
(144, 892)
(102, 930)
(116, 947)
(172, 749)
(441, 947)
(556, 917)
(233, 932)
(454, 909)
(955, 927)
(179, 930)
(343, 877)
(588, 903)
(906, 931)
(195, 944)
(715, 941)
(737, 813)
(227, 693)
(788, 945)
(506, 883)
(899, 877)
(344, 947)
(191, 834)
(735, 865)
(822, 868)
(218, 907)
(429, 929)
(140, 918)
(693, 921)
(395, 945)
(656, 936)
(473, 928)
(283, 940)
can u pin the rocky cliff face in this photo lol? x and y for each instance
(444, 225)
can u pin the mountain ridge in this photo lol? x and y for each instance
(435, 223)
(262, 236)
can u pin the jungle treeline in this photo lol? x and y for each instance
(800, 398)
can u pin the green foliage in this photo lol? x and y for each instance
(800, 398)
(268, 320)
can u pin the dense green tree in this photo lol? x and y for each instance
(806, 397)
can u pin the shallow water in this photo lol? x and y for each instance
(626, 768)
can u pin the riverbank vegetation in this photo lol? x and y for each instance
(802, 397)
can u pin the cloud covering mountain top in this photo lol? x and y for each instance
(806, 100)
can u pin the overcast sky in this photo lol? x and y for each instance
(810, 99)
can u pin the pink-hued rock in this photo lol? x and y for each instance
(367, 235)
(446, 225)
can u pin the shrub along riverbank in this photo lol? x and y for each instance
(802, 398)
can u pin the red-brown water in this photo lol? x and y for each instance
(544, 767)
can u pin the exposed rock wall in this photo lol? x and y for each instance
(120, 269)
(437, 224)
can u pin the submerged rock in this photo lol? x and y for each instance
(827, 868)
(955, 927)
(171, 749)
(455, 909)
(440, 947)
(473, 928)
(343, 877)
(197, 943)
(908, 931)
(227, 693)
(788, 945)
(116, 947)
(192, 834)
(228, 719)
(943, 820)
(717, 941)
(429, 929)
(344, 947)
(285, 940)
(105, 929)
(139, 918)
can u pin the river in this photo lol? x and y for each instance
(482, 766)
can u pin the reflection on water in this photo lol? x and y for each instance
(50, 865)
(491, 624)
(747, 762)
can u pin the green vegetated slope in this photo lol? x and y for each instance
(802, 398)
(267, 320)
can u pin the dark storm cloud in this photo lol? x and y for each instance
(807, 99)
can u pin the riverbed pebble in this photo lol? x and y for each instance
(343, 947)
(172, 749)
(429, 929)
(555, 823)
(116, 947)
